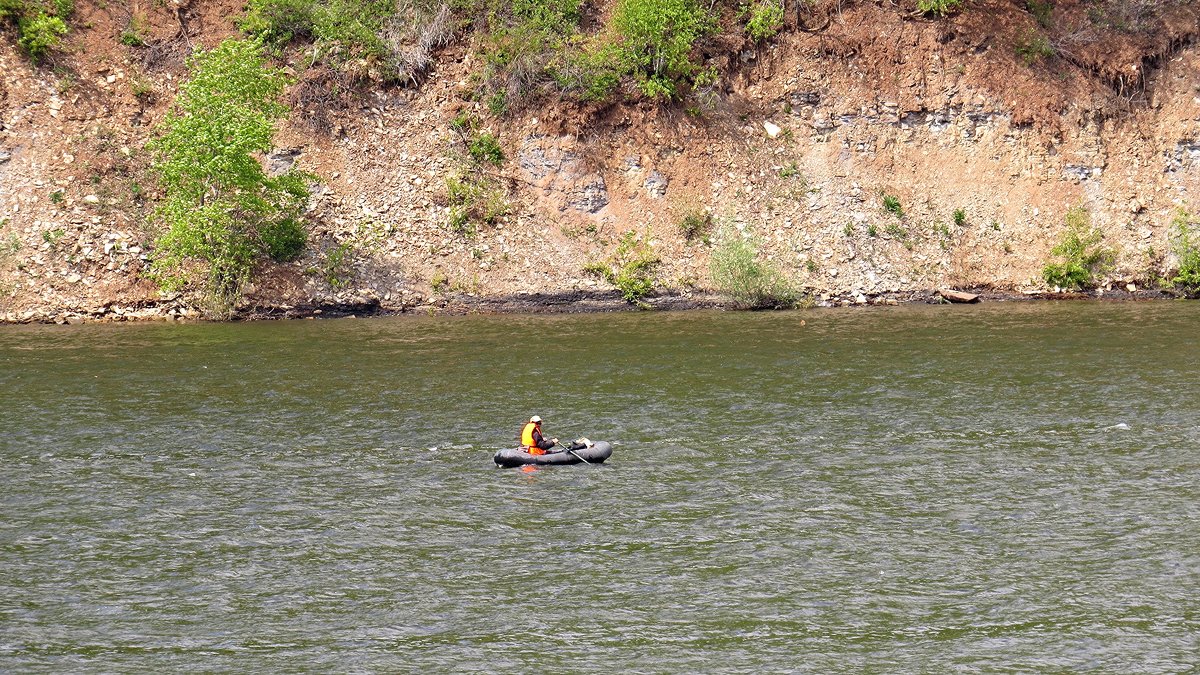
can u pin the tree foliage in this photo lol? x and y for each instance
(41, 24)
(221, 210)
(656, 42)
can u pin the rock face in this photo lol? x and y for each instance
(551, 164)
(878, 158)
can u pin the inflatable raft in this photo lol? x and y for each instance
(595, 453)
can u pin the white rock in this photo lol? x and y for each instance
(772, 130)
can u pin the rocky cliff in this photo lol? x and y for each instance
(873, 153)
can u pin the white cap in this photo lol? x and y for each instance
(535, 419)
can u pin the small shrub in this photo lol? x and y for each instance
(141, 88)
(630, 268)
(1032, 46)
(694, 224)
(134, 34)
(52, 236)
(1185, 244)
(379, 40)
(896, 231)
(655, 43)
(474, 199)
(497, 103)
(1083, 256)
(521, 43)
(944, 233)
(763, 18)
(484, 148)
(57, 197)
(440, 282)
(40, 33)
(751, 284)
(938, 7)
(279, 21)
(12, 10)
(960, 217)
(337, 269)
(891, 204)
(1042, 11)
(10, 244)
(592, 72)
(284, 240)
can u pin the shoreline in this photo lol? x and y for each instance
(566, 302)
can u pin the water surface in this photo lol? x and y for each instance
(1002, 488)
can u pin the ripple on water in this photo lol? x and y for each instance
(911, 491)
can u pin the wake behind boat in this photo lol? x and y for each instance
(589, 452)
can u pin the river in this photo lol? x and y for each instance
(995, 488)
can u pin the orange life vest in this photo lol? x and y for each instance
(527, 443)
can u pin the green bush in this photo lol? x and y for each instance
(279, 21)
(938, 7)
(221, 211)
(891, 204)
(1185, 243)
(358, 35)
(960, 217)
(12, 10)
(485, 149)
(474, 199)
(1083, 256)
(655, 43)
(763, 18)
(134, 34)
(473, 194)
(520, 42)
(695, 224)
(1032, 46)
(41, 24)
(284, 240)
(1042, 11)
(751, 284)
(39, 33)
(592, 71)
(630, 268)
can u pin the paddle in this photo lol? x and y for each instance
(568, 449)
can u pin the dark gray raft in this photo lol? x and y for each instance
(600, 451)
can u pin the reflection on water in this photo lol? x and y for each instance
(910, 489)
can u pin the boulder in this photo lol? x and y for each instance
(958, 296)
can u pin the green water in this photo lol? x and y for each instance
(914, 489)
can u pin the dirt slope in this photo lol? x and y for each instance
(807, 135)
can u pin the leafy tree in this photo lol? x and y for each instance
(656, 42)
(222, 211)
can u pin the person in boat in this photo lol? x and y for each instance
(532, 440)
